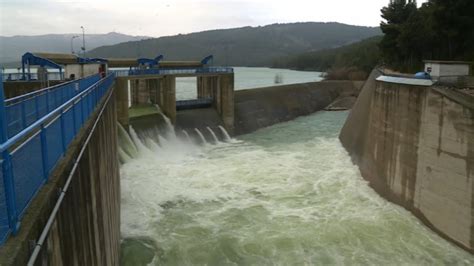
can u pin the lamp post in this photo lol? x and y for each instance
(72, 47)
(83, 42)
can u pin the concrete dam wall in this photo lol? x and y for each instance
(258, 108)
(415, 146)
(86, 228)
(255, 108)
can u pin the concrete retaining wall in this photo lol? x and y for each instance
(415, 145)
(258, 108)
(86, 230)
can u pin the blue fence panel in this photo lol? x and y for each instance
(34, 159)
(55, 101)
(54, 144)
(27, 171)
(4, 227)
(77, 117)
(83, 105)
(14, 119)
(48, 100)
(68, 118)
(30, 112)
(42, 104)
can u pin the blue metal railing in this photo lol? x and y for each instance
(29, 157)
(158, 71)
(24, 110)
(32, 76)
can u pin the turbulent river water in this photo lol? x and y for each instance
(284, 195)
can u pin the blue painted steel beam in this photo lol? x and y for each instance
(150, 62)
(159, 58)
(32, 60)
(207, 59)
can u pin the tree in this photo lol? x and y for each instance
(396, 15)
(440, 29)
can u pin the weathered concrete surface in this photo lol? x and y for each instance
(198, 118)
(144, 118)
(354, 132)
(17, 88)
(86, 230)
(258, 108)
(225, 101)
(121, 95)
(415, 145)
(168, 97)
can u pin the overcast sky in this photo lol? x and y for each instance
(169, 17)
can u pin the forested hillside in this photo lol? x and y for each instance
(248, 46)
(363, 55)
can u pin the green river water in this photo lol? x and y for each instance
(284, 195)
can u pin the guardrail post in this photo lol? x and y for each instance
(10, 195)
(9, 186)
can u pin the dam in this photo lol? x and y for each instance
(275, 186)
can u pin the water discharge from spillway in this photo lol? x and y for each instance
(224, 132)
(188, 138)
(201, 136)
(214, 137)
(284, 195)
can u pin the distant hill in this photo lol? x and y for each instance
(363, 55)
(12, 48)
(247, 46)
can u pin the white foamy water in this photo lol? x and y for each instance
(284, 195)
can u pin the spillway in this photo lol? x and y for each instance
(284, 195)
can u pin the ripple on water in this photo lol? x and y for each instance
(287, 194)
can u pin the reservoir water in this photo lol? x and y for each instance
(249, 78)
(284, 195)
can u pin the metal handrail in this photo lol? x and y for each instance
(20, 97)
(24, 110)
(35, 136)
(33, 93)
(18, 77)
(25, 132)
(171, 71)
(49, 223)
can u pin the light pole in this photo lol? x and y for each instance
(72, 47)
(83, 42)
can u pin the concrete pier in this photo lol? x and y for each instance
(161, 90)
(168, 97)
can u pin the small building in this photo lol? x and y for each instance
(439, 69)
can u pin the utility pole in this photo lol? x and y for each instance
(72, 46)
(83, 42)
